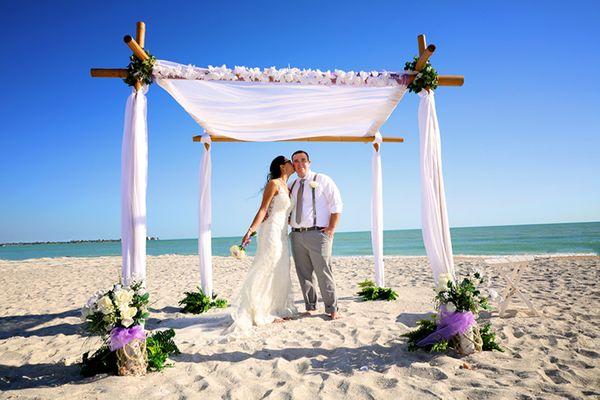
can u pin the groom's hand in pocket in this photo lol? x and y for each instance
(328, 231)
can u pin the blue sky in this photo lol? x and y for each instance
(520, 139)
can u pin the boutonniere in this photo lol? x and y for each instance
(314, 184)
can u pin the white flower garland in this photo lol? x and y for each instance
(169, 70)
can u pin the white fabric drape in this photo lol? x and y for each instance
(377, 212)
(205, 220)
(134, 173)
(434, 216)
(263, 112)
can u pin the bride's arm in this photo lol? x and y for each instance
(268, 194)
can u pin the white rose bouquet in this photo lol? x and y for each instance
(119, 307)
(239, 250)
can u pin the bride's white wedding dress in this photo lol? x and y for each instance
(266, 293)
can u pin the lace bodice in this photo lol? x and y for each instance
(280, 208)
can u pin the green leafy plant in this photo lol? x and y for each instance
(426, 78)
(369, 291)
(425, 327)
(463, 296)
(103, 361)
(140, 70)
(159, 347)
(198, 302)
(489, 339)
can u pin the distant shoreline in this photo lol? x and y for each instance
(70, 242)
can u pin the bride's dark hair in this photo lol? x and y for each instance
(274, 169)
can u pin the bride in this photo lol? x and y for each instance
(266, 294)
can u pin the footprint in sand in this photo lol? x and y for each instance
(556, 376)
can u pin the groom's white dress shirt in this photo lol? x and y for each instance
(327, 201)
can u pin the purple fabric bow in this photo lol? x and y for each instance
(119, 337)
(449, 325)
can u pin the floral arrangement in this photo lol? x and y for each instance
(239, 250)
(370, 291)
(140, 70)
(117, 316)
(198, 302)
(110, 312)
(427, 78)
(455, 326)
(165, 69)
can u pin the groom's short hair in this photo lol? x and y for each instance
(300, 152)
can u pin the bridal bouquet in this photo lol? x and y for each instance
(117, 316)
(455, 326)
(239, 250)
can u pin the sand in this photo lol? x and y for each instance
(361, 356)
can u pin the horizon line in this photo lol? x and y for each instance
(156, 237)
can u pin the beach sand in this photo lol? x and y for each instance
(361, 356)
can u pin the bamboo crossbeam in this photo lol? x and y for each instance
(451, 80)
(108, 72)
(135, 47)
(422, 43)
(424, 57)
(443, 80)
(365, 139)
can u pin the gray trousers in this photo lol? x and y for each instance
(312, 254)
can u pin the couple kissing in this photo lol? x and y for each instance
(311, 205)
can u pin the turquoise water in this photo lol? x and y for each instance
(516, 239)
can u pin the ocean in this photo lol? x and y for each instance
(514, 239)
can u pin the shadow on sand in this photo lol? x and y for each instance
(24, 325)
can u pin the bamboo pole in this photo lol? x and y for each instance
(443, 80)
(424, 57)
(422, 43)
(140, 35)
(451, 80)
(364, 139)
(108, 72)
(135, 47)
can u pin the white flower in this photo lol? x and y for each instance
(123, 297)
(105, 305)
(450, 307)
(314, 184)
(85, 312)
(442, 284)
(127, 314)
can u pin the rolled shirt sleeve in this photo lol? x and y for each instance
(332, 195)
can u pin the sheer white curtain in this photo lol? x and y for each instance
(260, 112)
(205, 219)
(377, 212)
(134, 172)
(434, 216)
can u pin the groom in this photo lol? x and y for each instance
(318, 206)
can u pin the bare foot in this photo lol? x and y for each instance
(308, 313)
(335, 315)
(278, 321)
